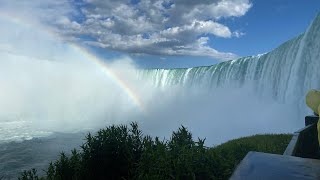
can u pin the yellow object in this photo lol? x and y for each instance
(313, 101)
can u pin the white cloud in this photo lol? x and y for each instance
(238, 34)
(159, 27)
(44, 10)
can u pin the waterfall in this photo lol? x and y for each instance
(285, 73)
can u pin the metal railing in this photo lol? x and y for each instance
(304, 142)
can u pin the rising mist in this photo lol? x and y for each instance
(48, 85)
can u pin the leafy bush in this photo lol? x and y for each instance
(29, 175)
(113, 153)
(178, 158)
(232, 152)
(121, 152)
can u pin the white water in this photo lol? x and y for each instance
(48, 87)
(283, 75)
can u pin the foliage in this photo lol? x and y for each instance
(121, 152)
(232, 152)
(179, 158)
(29, 175)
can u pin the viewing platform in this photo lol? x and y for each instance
(299, 161)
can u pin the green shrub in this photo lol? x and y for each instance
(178, 158)
(232, 152)
(29, 175)
(113, 153)
(121, 152)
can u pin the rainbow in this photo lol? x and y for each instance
(125, 87)
(112, 75)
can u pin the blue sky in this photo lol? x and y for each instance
(171, 33)
(266, 25)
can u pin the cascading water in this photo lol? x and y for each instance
(40, 97)
(285, 74)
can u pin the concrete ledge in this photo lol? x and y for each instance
(270, 166)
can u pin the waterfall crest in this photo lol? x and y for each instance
(285, 73)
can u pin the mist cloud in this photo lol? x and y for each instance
(47, 85)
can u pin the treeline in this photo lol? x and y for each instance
(122, 152)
